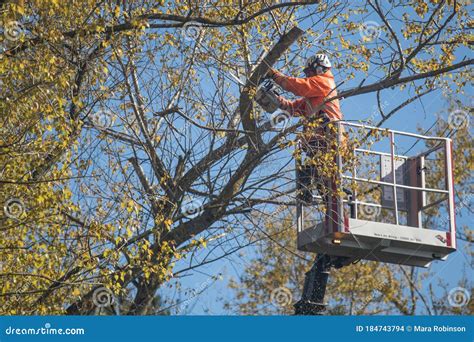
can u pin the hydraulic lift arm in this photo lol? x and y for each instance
(314, 289)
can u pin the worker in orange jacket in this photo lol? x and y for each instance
(314, 90)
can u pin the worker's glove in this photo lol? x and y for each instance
(271, 74)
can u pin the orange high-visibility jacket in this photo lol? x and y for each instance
(313, 91)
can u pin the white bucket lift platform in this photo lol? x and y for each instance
(396, 227)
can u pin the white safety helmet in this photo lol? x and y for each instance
(319, 63)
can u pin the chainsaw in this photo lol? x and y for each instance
(266, 97)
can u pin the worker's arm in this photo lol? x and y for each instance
(306, 87)
(295, 108)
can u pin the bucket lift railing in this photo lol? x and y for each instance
(340, 240)
(448, 191)
(444, 143)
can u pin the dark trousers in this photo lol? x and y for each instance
(309, 179)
